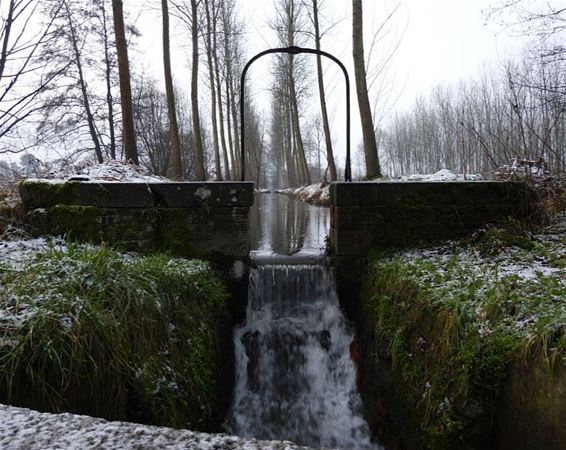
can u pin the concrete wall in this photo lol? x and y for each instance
(366, 216)
(202, 220)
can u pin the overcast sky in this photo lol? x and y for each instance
(440, 41)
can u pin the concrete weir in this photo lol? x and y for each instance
(206, 220)
(373, 216)
(401, 214)
(187, 219)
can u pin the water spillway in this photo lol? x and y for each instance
(295, 378)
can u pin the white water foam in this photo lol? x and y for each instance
(295, 379)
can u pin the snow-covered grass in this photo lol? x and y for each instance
(26, 429)
(453, 317)
(14, 253)
(81, 325)
(87, 329)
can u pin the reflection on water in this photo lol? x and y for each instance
(295, 378)
(284, 226)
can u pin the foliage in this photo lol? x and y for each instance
(451, 320)
(88, 330)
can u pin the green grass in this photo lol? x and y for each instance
(452, 319)
(86, 329)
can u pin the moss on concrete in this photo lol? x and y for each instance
(174, 232)
(36, 193)
(128, 229)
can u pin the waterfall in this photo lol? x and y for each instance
(295, 379)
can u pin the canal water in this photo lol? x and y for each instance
(295, 379)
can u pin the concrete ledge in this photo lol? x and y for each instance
(421, 194)
(46, 194)
(403, 214)
(203, 220)
(184, 195)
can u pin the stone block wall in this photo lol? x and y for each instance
(366, 216)
(204, 220)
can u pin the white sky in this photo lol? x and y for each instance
(442, 41)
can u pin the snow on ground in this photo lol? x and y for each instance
(525, 264)
(14, 253)
(316, 194)
(109, 171)
(441, 175)
(22, 428)
(537, 275)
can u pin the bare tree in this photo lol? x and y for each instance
(152, 123)
(288, 24)
(483, 125)
(544, 21)
(21, 39)
(129, 137)
(324, 112)
(79, 110)
(219, 97)
(197, 132)
(176, 165)
(77, 61)
(211, 19)
(373, 169)
(104, 36)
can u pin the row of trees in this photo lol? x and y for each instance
(298, 144)
(513, 114)
(66, 84)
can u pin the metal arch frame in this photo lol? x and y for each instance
(293, 51)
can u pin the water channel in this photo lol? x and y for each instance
(295, 379)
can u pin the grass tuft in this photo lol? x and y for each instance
(88, 330)
(451, 320)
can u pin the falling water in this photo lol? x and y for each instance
(295, 378)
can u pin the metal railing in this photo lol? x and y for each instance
(293, 51)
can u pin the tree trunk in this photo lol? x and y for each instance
(292, 180)
(235, 125)
(373, 169)
(211, 29)
(197, 134)
(82, 83)
(228, 82)
(220, 107)
(229, 130)
(300, 148)
(108, 80)
(176, 164)
(325, 125)
(129, 136)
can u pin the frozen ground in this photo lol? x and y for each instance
(110, 171)
(22, 428)
(441, 175)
